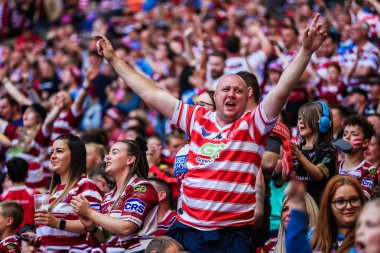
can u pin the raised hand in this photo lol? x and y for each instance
(314, 35)
(105, 48)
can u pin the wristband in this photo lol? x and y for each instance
(62, 224)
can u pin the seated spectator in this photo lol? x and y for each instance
(129, 212)
(165, 215)
(174, 142)
(12, 214)
(58, 228)
(31, 140)
(164, 244)
(277, 244)
(17, 170)
(358, 132)
(314, 162)
(374, 119)
(339, 114)
(342, 200)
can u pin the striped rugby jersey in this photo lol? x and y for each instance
(219, 186)
(53, 239)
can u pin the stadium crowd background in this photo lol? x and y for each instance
(49, 62)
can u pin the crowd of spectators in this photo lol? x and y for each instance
(56, 79)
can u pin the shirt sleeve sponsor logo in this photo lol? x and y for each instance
(180, 164)
(135, 205)
(139, 188)
(367, 182)
(95, 206)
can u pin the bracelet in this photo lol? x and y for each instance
(92, 231)
(62, 224)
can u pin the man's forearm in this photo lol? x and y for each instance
(276, 99)
(145, 88)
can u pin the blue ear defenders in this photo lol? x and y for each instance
(324, 121)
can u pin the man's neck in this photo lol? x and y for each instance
(161, 212)
(361, 43)
(18, 184)
(5, 234)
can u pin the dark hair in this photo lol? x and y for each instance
(292, 28)
(251, 81)
(363, 123)
(77, 166)
(99, 169)
(10, 100)
(211, 94)
(17, 169)
(140, 167)
(14, 210)
(335, 65)
(138, 129)
(161, 244)
(163, 186)
(343, 111)
(232, 44)
(95, 135)
(219, 53)
(153, 136)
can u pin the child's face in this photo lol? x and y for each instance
(368, 231)
(355, 136)
(303, 128)
(4, 222)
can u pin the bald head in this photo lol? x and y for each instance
(230, 98)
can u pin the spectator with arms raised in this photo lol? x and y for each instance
(215, 136)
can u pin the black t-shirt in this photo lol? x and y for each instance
(324, 157)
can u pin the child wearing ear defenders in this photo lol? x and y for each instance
(314, 156)
(358, 131)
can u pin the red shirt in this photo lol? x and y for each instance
(166, 223)
(24, 196)
(10, 244)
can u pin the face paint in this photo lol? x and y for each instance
(356, 142)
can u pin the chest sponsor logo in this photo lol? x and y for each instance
(212, 150)
(135, 206)
(367, 182)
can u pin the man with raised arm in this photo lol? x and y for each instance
(216, 208)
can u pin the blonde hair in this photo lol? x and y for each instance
(99, 149)
(311, 210)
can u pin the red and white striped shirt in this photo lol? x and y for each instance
(137, 204)
(10, 244)
(321, 64)
(166, 223)
(219, 187)
(66, 123)
(373, 21)
(53, 239)
(24, 196)
(34, 155)
(369, 58)
(365, 173)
